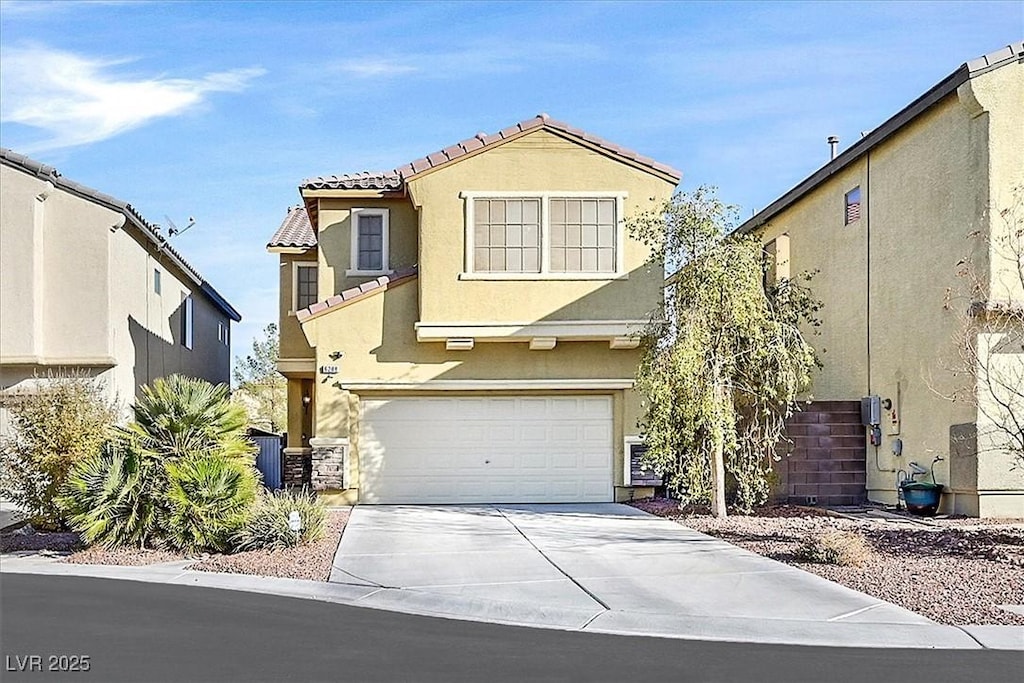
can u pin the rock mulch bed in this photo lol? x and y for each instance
(26, 539)
(953, 571)
(312, 561)
(125, 557)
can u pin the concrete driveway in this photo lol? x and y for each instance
(626, 569)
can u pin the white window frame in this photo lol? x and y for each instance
(188, 322)
(627, 459)
(295, 281)
(545, 198)
(223, 332)
(157, 282)
(385, 260)
(847, 204)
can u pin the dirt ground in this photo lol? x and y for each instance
(954, 571)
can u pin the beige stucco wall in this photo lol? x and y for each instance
(995, 100)
(54, 258)
(379, 344)
(146, 327)
(335, 239)
(894, 304)
(293, 343)
(539, 161)
(77, 292)
(377, 334)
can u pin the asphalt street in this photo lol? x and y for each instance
(132, 631)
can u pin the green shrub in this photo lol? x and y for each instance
(844, 548)
(209, 500)
(111, 498)
(178, 416)
(268, 527)
(66, 419)
(181, 475)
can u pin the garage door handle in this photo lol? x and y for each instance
(487, 462)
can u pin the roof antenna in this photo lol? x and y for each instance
(174, 229)
(833, 146)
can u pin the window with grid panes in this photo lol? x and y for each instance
(506, 235)
(371, 242)
(305, 286)
(582, 235)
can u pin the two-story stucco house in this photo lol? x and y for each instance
(888, 224)
(462, 329)
(87, 285)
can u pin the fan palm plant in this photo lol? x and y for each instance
(112, 498)
(209, 499)
(178, 416)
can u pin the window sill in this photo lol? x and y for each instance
(351, 272)
(544, 276)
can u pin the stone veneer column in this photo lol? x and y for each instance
(296, 467)
(330, 459)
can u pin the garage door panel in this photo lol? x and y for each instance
(494, 449)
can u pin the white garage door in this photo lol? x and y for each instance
(522, 449)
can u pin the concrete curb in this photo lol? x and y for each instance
(690, 627)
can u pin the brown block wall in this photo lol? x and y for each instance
(827, 458)
(298, 468)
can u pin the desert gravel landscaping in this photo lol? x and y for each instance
(310, 561)
(954, 571)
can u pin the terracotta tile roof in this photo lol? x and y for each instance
(355, 181)
(363, 291)
(150, 231)
(296, 230)
(394, 179)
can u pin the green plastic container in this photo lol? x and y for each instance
(922, 498)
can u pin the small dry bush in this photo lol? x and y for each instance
(844, 548)
(61, 421)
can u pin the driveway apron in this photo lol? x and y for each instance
(609, 557)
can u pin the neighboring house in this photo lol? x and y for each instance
(889, 223)
(89, 286)
(462, 329)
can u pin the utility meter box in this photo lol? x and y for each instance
(871, 411)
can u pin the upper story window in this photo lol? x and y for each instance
(369, 242)
(776, 260)
(187, 321)
(582, 235)
(156, 280)
(304, 285)
(852, 206)
(557, 235)
(506, 235)
(223, 333)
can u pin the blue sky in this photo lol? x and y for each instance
(218, 110)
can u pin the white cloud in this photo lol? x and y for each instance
(77, 100)
(375, 68)
(480, 58)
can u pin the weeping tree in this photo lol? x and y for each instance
(725, 359)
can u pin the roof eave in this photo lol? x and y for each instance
(886, 130)
(289, 249)
(353, 193)
(1013, 52)
(49, 173)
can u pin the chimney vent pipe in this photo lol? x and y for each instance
(833, 146)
